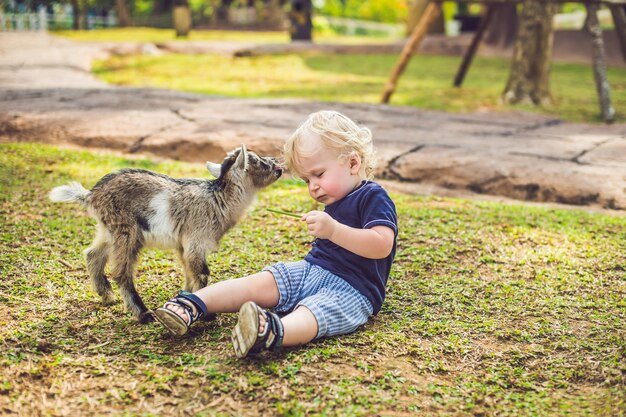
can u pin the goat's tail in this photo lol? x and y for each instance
(70, 193)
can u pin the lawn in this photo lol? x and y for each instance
(492, 309)
(154, 35)
(426, 83)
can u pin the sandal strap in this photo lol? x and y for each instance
(275, 341)
(201, 310)
(271, 338)
(186, 309)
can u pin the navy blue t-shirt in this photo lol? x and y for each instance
(366, 206)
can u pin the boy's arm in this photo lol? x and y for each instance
(374, 243)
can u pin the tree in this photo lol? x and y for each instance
(160, 7)
(301, 21)
(501, 31)
(76, 13)
(592, 25)
(530, 70)
(182, 17)
(123, 15)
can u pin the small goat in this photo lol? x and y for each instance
(136, 208)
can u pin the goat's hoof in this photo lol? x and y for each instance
(145, 317)
(109, 298)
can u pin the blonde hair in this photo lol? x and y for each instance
(337, 132)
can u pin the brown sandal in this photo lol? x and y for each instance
(176, 324)
(245, 335)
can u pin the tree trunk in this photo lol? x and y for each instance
(530, 69)
(300, 18)
(503, 27)
(592, 25)
(161, 7)
(619, 20)
(76, 15)
(123, 15)
(182, 20)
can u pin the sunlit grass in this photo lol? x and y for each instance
(154, 35)
(492, 310)
(426, 83)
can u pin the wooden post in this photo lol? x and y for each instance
(619, 20)
(592, 26)
(471, 51)
(430, 14)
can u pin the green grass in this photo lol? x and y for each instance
(492, 309)
(154, 35)
(426, 84)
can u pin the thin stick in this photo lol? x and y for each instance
(284, 213)
(66, 264)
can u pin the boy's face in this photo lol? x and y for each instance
(328, 177)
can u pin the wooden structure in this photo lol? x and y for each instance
(592, 26)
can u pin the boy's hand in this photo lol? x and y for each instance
(320, 224)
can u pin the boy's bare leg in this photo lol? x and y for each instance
(300, 327)
(228, 296)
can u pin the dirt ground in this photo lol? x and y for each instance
(47, 94)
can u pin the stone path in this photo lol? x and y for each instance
(47, 94)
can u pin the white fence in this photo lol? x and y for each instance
(576, 19)
(353, 26)
(44, 21)
(24, 21)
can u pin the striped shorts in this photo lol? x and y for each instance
(337, 306)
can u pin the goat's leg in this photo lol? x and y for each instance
(96, 257)
(125, 252)
(196, 269)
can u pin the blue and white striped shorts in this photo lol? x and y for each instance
(337, 306)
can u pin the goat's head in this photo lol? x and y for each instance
(242, 165)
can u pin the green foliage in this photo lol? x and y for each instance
(492, 309)
(390, 11)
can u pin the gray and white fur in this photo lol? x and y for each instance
(135, 208)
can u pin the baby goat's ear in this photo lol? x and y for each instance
(242, 159)
(214, 169)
